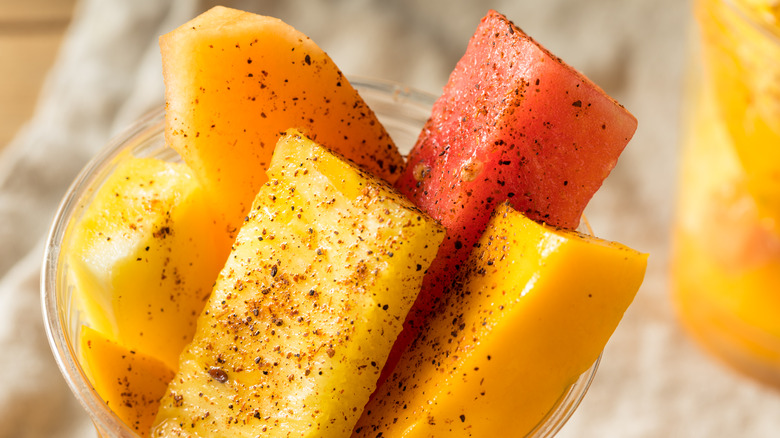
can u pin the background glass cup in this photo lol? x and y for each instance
(726, 249)
(401, 110)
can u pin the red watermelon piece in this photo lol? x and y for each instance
(514, 122)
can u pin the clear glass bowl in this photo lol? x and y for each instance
(402, 110)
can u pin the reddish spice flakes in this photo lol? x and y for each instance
(218, 374)
(420, 171)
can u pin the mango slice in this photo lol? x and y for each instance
(532, 311)
(303, 316)
(131, 383)
(144, 257)
(235, 80)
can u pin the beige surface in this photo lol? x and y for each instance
(652, 382)
(30, 35)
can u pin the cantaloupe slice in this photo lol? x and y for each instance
(131, 383)
(235, 80)
(531, 312)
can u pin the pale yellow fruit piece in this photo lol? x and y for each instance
(129, 382)
(303, 316)
(235, 80)
(144, 256)
(530, 312)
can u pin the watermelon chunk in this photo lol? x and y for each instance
(514, 122)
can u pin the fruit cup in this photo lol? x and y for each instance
(726, 249)
(401, 110)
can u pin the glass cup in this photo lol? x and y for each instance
(401, 110)
(726, 248)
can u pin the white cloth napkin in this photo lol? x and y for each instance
(652, 382)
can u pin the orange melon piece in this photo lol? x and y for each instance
(130, 382)
(144, 256)
(235, 80)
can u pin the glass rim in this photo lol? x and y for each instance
(56, 323)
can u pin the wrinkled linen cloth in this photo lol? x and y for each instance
(652, 382)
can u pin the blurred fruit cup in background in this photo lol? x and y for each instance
(726, 249)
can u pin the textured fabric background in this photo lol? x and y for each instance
(653, 382)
